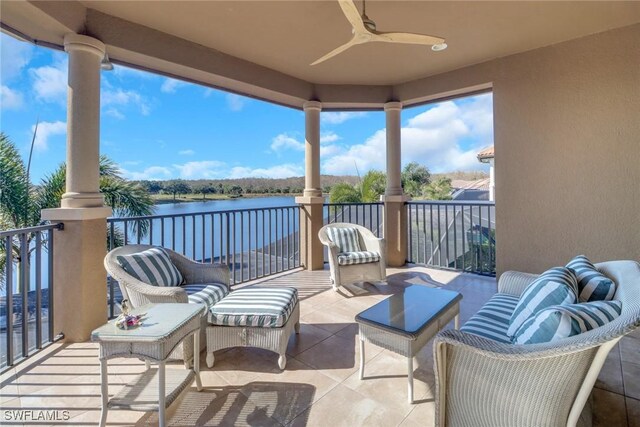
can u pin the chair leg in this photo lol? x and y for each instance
(296, 327)
(282, 361)
(210, 359)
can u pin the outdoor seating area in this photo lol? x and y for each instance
(320, 385)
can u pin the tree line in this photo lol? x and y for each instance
(417, 182)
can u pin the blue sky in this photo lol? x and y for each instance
(159, 128)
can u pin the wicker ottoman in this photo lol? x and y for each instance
(254, 317)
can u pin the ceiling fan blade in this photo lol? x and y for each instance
(409, 38)
(336, 51)
(353, 16)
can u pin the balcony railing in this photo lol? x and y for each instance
(453, 235)
(368, 215)
(254, 243)
(26, 283)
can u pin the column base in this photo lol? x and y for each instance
(395, 229)
(79, 277)
(311, 221)
(82, 200)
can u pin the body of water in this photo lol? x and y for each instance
(224, 205)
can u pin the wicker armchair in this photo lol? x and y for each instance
(481, 382)
(140, 293)
(345, 274)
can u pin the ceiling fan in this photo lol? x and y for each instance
(364, 31)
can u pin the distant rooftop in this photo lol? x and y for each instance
(486, 154)
(478, 184)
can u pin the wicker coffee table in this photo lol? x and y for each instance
(404, 322)
(163, 328)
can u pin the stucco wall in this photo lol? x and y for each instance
(567, 139)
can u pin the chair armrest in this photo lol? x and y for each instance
(374, 244)
(142, 293)
(514, 282)
(504, 384)
(199, 272)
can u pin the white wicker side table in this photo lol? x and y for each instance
(405, 322)
(163, 328)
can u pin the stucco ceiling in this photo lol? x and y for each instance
(288, 35)
(264, 48)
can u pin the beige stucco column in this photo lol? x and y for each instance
(79, 287)
(311, 250)
(395, 211)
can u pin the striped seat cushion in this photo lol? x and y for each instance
(152, 266)
(492, 321)
(347, 239)
(362, 257)
(593, 285)
(555, 286)
(563, 321)
(261, 307)
(208, 293)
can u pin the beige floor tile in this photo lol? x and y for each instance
(633, 412)
(241, 365)
(345, 407)
(630, 349)
(424, 414)
(287, 394)
(337, 357)
(610, 377)
(608, 409)
(309, 336)
(329, 320)
(386, 381)
(631, 377)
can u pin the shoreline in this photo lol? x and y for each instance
(216, 198)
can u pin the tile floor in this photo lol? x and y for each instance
(320, 386)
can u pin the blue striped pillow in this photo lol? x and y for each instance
(593, 285)
(563, 321)
(555, 286)
(152, 266)
(347, 239)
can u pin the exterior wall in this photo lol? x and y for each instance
(567, 141)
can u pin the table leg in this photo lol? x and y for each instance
(147, 365)
(456, 321)
(410, 377)
(196, 359)
(161, 394)
(104, 391)
(361, 356)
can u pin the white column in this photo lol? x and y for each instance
(83, 122)
(312, 186)
(394, 184)
(492, 182)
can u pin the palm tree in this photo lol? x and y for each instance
(21, 201)
(372, 186)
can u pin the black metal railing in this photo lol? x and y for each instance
(26, 283)
(254, 243)
(368, 215)
(453, 235)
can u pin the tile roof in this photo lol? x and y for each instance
(486, 153)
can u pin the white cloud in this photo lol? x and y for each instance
(208, 92)
(201, 169)
(186, 152)
(14, 56)
(150, 173)
(45, 131)
(50, 82)
(171, 85)
(10, 99)
(115, 113)
(120, 97)
(279, 171)
(328, 137)
(284, 141)
(337, 117)
(235, 102)
(433, 138)
(329, 150)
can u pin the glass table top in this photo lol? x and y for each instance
(411, 310)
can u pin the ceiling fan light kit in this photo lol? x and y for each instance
(364, 31)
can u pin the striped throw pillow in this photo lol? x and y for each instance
(152, 266)
(563, 321)
(593, 285)
(555, 286)
(346, 238)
